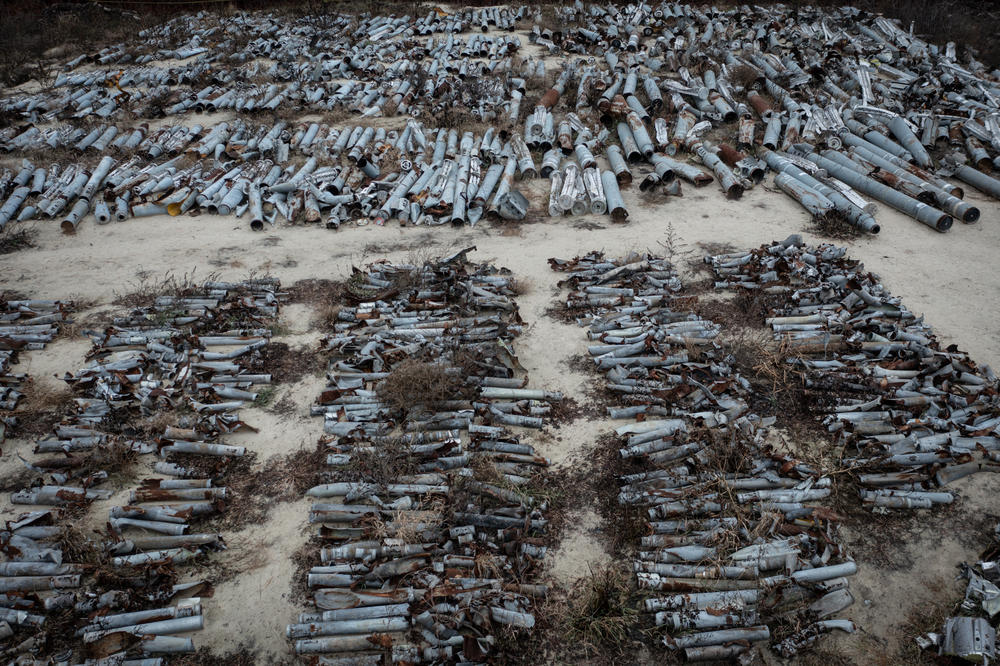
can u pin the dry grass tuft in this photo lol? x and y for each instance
(79, 547)
(117, 458)
(244, 655)
(602, 612)
(520, 286)
(285, 407)
(600, 471)
(834, 225)
(253, 492)
(326, 317)
(757, 305)
(744, 76)
(18, 238)
(42, 407)
(923, 618)
(777, 388)
(387, 461)
(325, 296)
(752, 351)
(304, 559)
(415, 383)
(726, 453)
(287, 365)
(407, 526)
(146, 289)
(18, 479)
(822, 657)
(723, 309)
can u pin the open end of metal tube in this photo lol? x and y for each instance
(875, 229)
(944, 223)
(648, 182)
(68, 227)
(257, 225)
(619, 215)
(971, 215)
(735, 192)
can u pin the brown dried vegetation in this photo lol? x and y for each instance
(414, 383)
(41, 408)
(17, 238)
(287, 365)
(834, 225)
(252, 491)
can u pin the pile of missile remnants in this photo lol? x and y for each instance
(431, 524)
(124, 593)
(433, 120)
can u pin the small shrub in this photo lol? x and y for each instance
(264, 396)
(146, 289)
(19, 238)
(602, 612)
(415, 383)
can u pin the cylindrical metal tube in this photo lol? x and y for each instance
(932, 217)
(615, 203)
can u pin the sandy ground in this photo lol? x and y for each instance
(950, 278)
